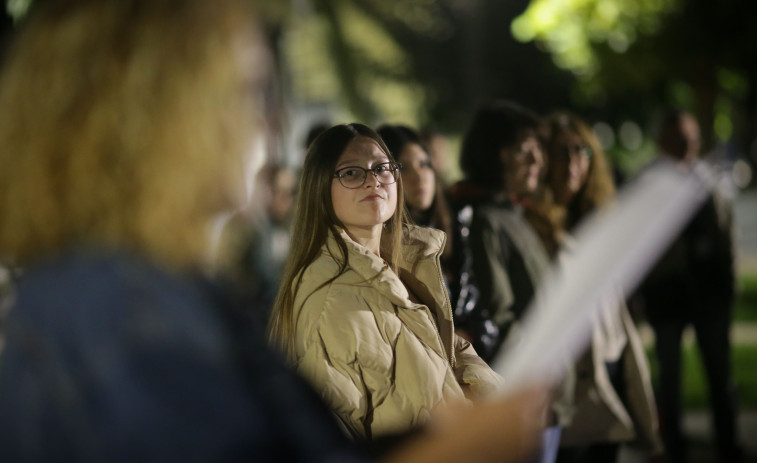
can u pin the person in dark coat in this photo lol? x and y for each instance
(502, 160)
(693, 285)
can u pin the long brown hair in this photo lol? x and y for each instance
(122, 124)
(315, 220)
(552, 219)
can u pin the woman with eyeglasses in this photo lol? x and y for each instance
(578, 178)
(613, 399)
(363, 312)
(503, 161)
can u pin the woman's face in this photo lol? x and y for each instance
(418, 177)
(570, 163)
(371, 204)
(523, 165)
(682, 139)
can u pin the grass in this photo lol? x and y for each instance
(743, 356)
(744, 359)
(745, 307)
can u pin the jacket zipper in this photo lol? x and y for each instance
(451, 354)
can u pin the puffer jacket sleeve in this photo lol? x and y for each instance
(327, 355)
(471, 369)
(348, 355)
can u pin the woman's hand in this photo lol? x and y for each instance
(506, 429)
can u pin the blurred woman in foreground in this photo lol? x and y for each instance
(124, 127)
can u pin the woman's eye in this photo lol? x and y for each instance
(349, 173)
(381, 168)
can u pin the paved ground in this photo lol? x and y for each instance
(701, 446)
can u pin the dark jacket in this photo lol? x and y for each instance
(505, 261)
(697, 272)
(110, 358)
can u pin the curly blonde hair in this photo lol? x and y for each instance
(123, 124)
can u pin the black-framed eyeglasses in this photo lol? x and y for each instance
(351, 177)
(568, 150)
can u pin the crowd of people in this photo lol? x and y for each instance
(357, 309)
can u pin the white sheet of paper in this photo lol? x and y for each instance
(613, 251)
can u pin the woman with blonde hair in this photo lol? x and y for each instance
(363, 312)
(141, 139)
(124, 126)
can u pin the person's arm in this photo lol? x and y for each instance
(507, 429)
(330, 328)
(488, 259)
(494, 287)
(477, 378)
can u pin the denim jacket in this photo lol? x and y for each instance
(110, 358)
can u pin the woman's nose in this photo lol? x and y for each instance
(534, 158)
(371, 179)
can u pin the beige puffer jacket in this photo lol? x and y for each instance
(379, 360)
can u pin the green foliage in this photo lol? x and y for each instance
(629, 162)
(417, 61)
(733, 82)
(17, 8)
(569, 28)
(355, 53)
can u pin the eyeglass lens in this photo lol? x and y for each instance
(354, 177)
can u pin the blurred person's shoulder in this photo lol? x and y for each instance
(95, 290)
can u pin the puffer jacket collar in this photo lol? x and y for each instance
(418, 268)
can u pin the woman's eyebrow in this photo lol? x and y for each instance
(348, 162)
(357, 162)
